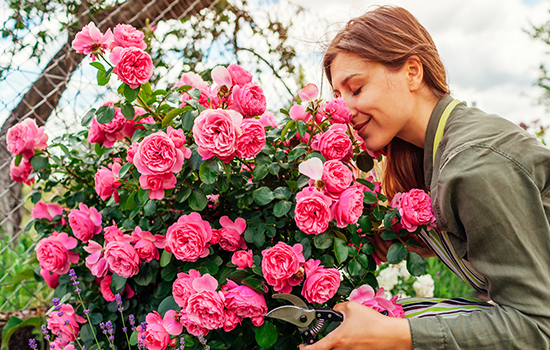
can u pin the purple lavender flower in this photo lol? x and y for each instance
(55, 302)
(45, 332)
(32, 343)
(118, 299)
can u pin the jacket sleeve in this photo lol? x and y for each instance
(492, 204)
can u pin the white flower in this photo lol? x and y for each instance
(403, 270)
(388, 277)
(424, 286)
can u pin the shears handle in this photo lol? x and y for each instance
(310, 335)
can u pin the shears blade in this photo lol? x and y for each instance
(293, 314)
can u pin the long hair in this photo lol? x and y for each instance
(391, 35)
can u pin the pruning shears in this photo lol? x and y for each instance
(300, 315)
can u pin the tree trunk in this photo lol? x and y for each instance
(44, 94)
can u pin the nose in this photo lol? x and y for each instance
(351, 105)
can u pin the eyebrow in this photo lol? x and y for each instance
(345, 81)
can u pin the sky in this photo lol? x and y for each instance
(490, 59)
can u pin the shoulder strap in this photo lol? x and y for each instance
(441, 125)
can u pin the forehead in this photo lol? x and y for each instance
(347, 64)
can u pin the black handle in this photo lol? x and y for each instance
(308, 336)
(329, 315)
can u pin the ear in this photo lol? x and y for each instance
(415, 73)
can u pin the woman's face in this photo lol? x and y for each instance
(379, 99)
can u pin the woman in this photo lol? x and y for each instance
(489, 181)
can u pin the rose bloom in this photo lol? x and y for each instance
(298, 112)
(191, 327)
(248, 99)
(51, 278)
(21, 172)
(112, 233)
(53, 253)
(156, 184)
(206, 307)
(122, 258)
(244, 301)
(147, 245)
(239, 75)
(115, 130)
(47, 211)
(157, 155)
(231, 320)
(24, 137)
(252, 139)
(133, 66)
(365, 295)
(125, 35)
(280, 264)
(192, 79)
(337, 177)
(105, 288)
(85, 222)
(334, 143)
(90, 40)
(57, 324)
(321, 284)
(231, 238)
(268, 119)
(96, 261)
(415, 208)
(188, 238)
(182, 288)
(309, 92)
(312, 212)
(157, 335)
(216, 132)
(349, 207)
(131, 151)
(338, 110)
(243, 259)
(106, 182)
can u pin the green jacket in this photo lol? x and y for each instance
(490, 190)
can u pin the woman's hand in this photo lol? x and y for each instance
(362, 329)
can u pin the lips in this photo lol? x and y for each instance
(359, 127)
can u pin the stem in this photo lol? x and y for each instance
(89, 321)
(146, 106)
(125, 333)
(104, 59)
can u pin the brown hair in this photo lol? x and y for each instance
(391, 35)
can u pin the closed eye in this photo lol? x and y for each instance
(357, 92)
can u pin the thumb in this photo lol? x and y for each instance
(342, 308)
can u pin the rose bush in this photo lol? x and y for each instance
(196, 206)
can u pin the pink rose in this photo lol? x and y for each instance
(337, 110)
(365, 295)
(53, 253)
(312, 212)
(231, 234)
(337, 177)
(133, 66)
(216, 132)
(321, 284)
(252, 139)
(147, 246)
(115, 130)
(244, 301)
(90, 40)
(349, 207)
(309, 92)
(248, 99)
(131, 152)
(126, 35)
(220, 75)
(239, 75)
(105, 288)
(67, 324)
(206, 307)
(268, 119)
(192, 79)
(51, 278)
(188, 238)
(156, 184)
(96, 261)
(415, 208)
(182, 288)
(178, 137)
(231, 320)
(298, 112)
(122, 258)
(243, 259)
(157, 335)
(191, 327)
(106, 182)
(85, 222)
(206, 99)
(157, 155)
(280, 266)
(24, 137)
(112, 233)
(21, 172)
(334, 143)
(47, 211)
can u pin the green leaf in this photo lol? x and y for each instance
(290, 125)
(208, 171)
(88, 117)
(197, 200)
(365, 162)
(18, 159)
(415, 264)
(124, 169)
(134, 338)
(282, 193)
(96, 317)
(150, 207)
(128, 111)
(39, 163)
(388, 235)
(168, 304)
(143, 195)
(167, 120)
(253, 283)
(324, 240)
(281, 208)
(36, 196)
(146, 88)
(165, 258)
(103, 78)
(354, 268)
(388, 218)
(363, 260)
(97, 65)
(413, 243)
(131, 201)
(183, 194)
(263, 195)
(370, 198)
(147, 273)
(302, 128)
(105, 114)
(367, 248)
(266, 335)
(295, 153)
(396, 253)
(117, 283)
(195, 93)
(340, 250)
(130, 94)
(188, 120)
(259, 172)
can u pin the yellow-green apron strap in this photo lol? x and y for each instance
(441, 125)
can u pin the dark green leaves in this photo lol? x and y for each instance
(323, 241)
(415, 264)
(197, 200)
(105, 114)
(128, 111)
(281, 208)
(340, 250)
(208, 171)
(263, 195)
(39, 162)
(130, 94)
(365, 162)
(266, 335)
(396, 253)
(87, 119)
(168, 304)
(170, 116)
(117, 284)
